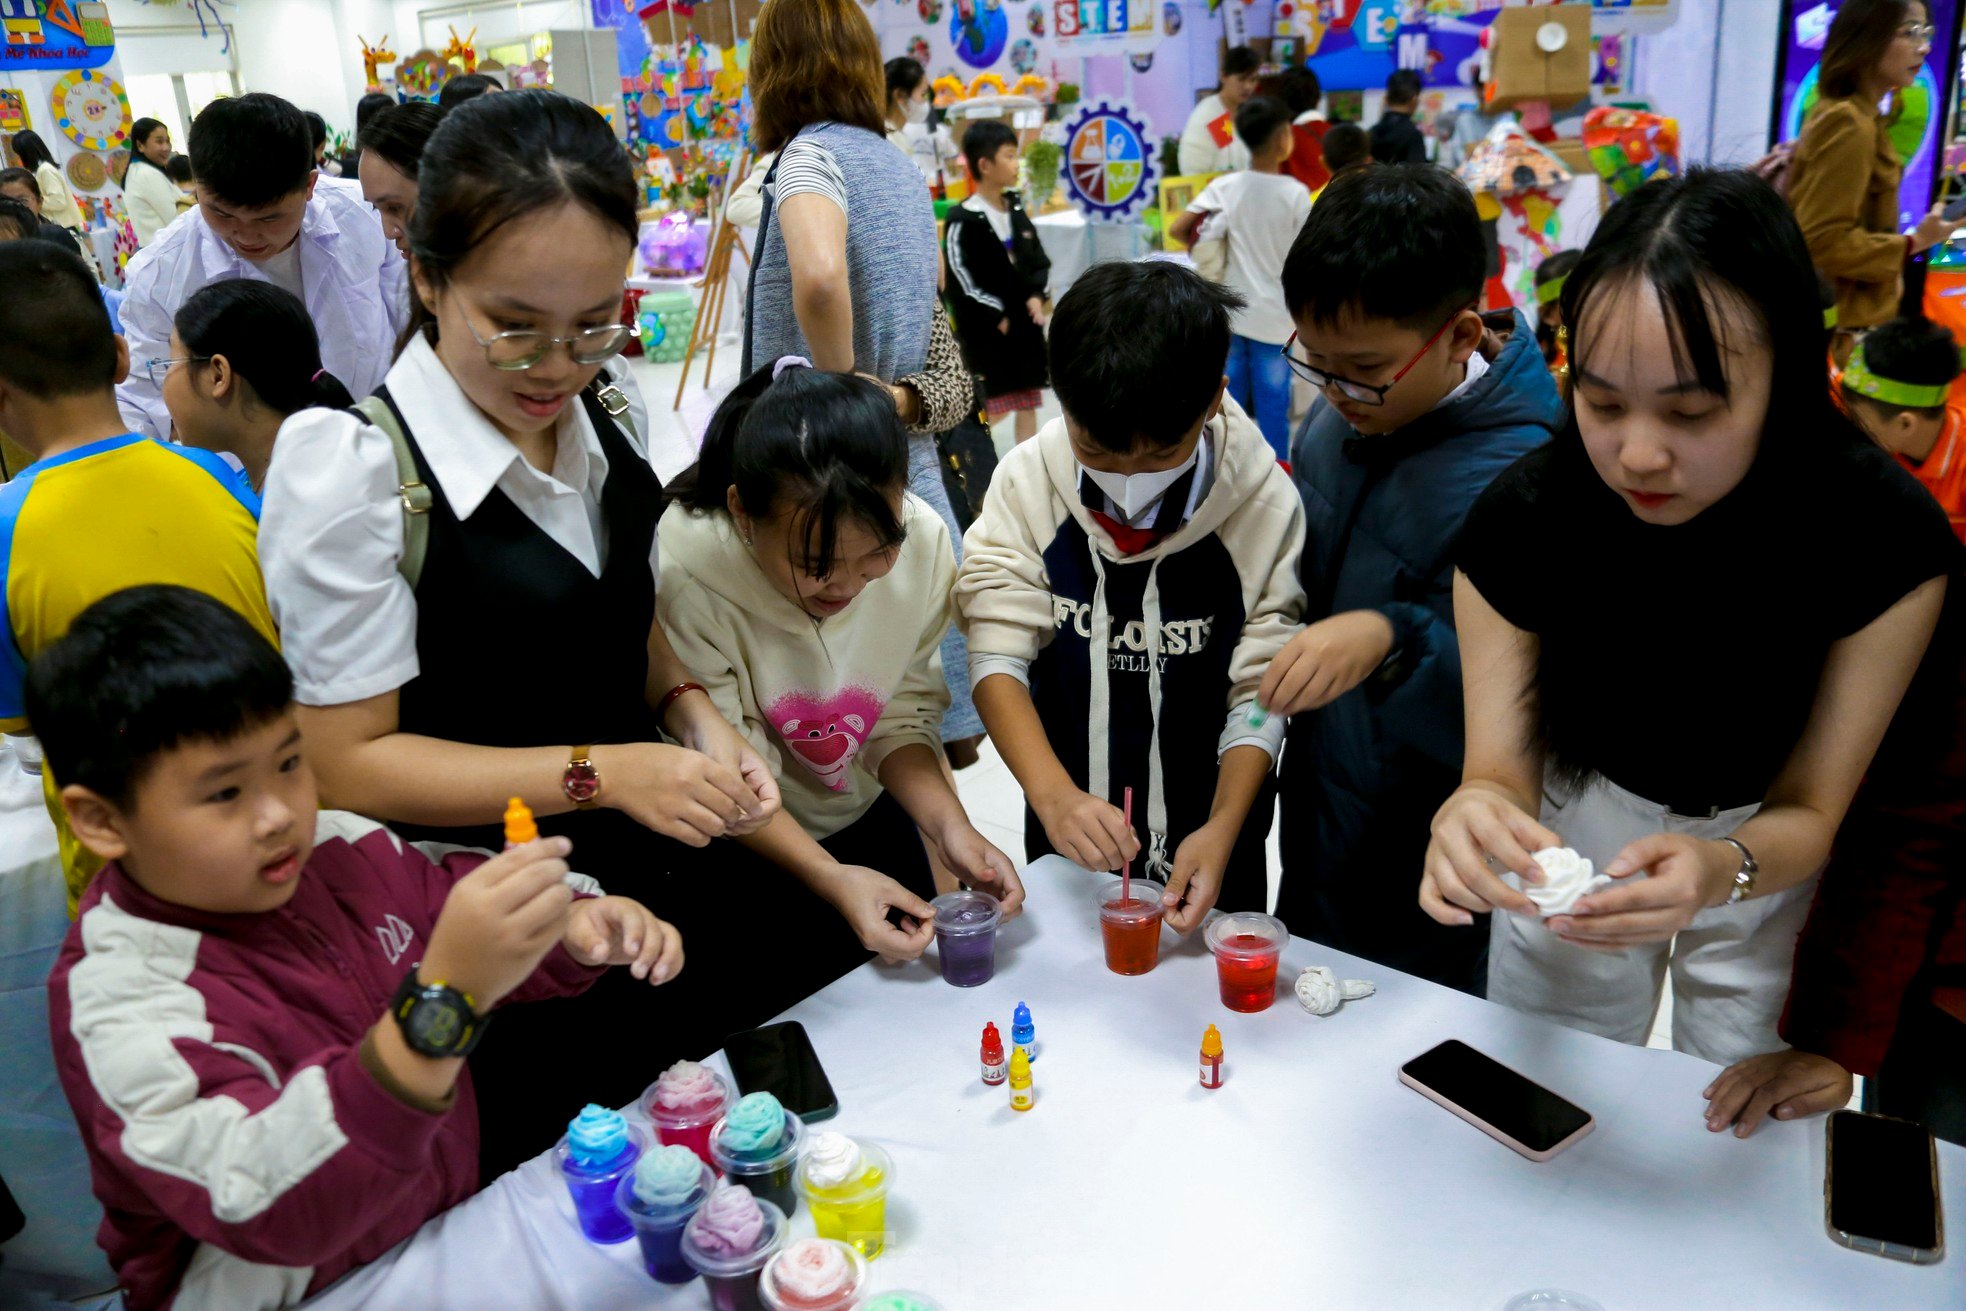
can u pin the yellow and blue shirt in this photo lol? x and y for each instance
(120, 512)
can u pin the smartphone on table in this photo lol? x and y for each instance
(1517, 1112)
(1881, 1187)
(779, 1059)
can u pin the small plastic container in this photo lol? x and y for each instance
(901, 1299)
(659, 1229)
(1247, 946)
(690, 1128)
(855, 1213)
(592, 1182)
(966, 936)
(732, 1280)
(1130, 926)
(769, 1177)
(780, 1292)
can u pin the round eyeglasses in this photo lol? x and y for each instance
(515, 351)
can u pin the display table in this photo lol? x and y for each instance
(1312, 1179)
(1074, 245)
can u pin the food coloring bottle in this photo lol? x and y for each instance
(1021, 1097)
(1023, 1033)
(1211, 1058)
(994, 1069)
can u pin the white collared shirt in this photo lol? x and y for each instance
(331, 528)
(353, 282)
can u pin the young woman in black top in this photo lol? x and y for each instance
(1684, 626)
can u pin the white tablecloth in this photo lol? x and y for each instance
(1074, 245)
(1312, 1179)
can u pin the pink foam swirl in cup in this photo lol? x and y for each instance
(730, 1223)
(813, 1270)
(687, 1088)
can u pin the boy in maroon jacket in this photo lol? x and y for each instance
(261, 1015)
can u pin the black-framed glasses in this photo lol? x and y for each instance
(1364, 393)
(515, 351)
(158, 366)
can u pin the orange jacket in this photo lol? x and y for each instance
(1943, 472)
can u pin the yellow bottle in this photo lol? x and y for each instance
(1021, 1098)
(520, 828)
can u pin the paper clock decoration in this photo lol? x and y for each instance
(1109, 161)
(91, 110)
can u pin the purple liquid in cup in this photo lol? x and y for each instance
(730, 1276)
(966, 936)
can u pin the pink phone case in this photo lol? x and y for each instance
(1590, 1122)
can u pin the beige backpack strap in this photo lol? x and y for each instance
(415, 497)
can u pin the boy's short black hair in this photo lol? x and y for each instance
(1259, 120)
(179, 169)
(1402, 86)
(17, 221)
(1300, 89)
(23, 177)
(1400, 242)
(984, 139)
(463, 87)
(140, 672)
(1346, 145)
(1239, 61)
(1914, 350)
(55, 338)
(1137, 351)
(251, 150)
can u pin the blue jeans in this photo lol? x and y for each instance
(1259, 379)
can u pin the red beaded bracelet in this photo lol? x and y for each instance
(669, 699)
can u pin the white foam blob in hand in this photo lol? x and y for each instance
(1567, 877)
(1321, 991)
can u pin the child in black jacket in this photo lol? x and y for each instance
(997, 276)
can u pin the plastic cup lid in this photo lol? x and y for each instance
(872, 1157)
(726, 1265)
(1147, 894)
(788, 1148)
(965, 912)
(1246, 924)
(673, 1119)
(641, 1213)
(856, 1264)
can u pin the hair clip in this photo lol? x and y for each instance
(789, 362)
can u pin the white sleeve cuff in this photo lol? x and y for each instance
(982, 666)
(1239, 732)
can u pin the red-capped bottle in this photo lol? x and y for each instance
(994, 1070)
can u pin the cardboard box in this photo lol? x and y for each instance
(1524, 72)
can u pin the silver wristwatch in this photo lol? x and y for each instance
(1744, 876)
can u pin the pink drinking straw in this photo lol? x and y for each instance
(1126, 867)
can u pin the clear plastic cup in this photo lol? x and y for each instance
(768, 1176)
(689, 1128)
(856, 1211)
(592, 1186)
(1130, 926)
(1246, 947)
(732, 1280)
(659, 1229)
(966, 936)
(780, 1290)
(901, 1299)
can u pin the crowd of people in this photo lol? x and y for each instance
(290, 653)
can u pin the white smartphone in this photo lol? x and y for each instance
(1520, 1114)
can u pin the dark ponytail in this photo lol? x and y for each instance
(264, 332)
(827, 447)
(33, 151)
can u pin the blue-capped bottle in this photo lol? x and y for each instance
(1024, 1034)
(600, 1147)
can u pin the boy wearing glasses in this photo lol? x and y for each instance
(101, 508)
(1418, 413)
(1132, 574)
(261, 215)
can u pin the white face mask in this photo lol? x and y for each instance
(1136, 493)
(918, 112)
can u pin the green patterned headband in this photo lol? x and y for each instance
(1911, 395)
(1550, 290)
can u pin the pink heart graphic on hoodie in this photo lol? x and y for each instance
(826, 735)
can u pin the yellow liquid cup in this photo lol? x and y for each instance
(855, 1212)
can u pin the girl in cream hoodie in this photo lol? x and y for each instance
(809, 591)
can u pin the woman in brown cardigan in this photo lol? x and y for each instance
(1843, 179)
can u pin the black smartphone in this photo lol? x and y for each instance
(779, 1059)
(1881, 1187)
(1516, 1112)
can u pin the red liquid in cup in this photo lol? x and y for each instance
(1246, 967)
(1133, 939)
(696, 1137)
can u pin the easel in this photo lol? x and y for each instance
(715, 283)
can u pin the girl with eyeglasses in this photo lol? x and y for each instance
(1844, 176)
(523, 657)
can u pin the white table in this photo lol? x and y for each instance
(1311, 1180)
(1073, 245)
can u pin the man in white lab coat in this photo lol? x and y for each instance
(261, 215)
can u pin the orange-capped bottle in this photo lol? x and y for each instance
(520, 827)
(1211, 1058)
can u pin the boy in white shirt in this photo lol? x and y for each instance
(1259, 211)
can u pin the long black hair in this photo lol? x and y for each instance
(398, 134)
(499, 158)
(827, 446)
(33, 151)
(139, 133)
(265, 333)
(1696, 243)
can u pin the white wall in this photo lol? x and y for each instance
(1714, 70)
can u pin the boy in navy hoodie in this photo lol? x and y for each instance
(1419, 410)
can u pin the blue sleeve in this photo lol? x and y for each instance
(13, 666)
(1420, 703)
(232, 479)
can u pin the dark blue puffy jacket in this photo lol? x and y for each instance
(1362, 778)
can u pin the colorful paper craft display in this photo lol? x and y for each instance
(91, 110)
(1630, 147)
(1508, 163)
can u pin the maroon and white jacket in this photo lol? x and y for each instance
(244, 1156)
